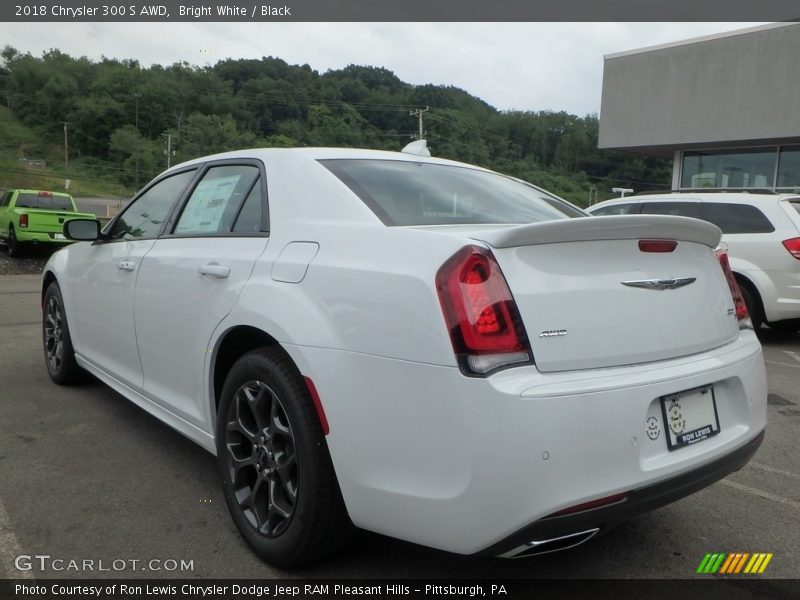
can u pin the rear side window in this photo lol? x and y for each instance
(617, 209)
(249, 219)
(216, 200)
(737, 218)
(795, 205)
(43, 201)
(419, 193)
(678, 209)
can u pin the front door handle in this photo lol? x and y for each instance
(214, 270)
(126, 265)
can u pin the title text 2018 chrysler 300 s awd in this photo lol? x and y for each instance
(413, 346)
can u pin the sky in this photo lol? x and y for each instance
(512, 66)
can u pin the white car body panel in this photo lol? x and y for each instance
(558, 286)
(103, 279)
(173, 296)
(354, 303)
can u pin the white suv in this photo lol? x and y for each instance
(762, 232)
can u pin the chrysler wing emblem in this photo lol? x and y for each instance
(671, 283)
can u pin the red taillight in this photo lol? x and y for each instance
(480, 312)
(793, 246)
(739, 305)
(23, 220)
(657, 245)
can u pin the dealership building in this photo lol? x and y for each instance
(725, 107)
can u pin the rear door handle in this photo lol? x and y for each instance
(214, 270)
(126, 265)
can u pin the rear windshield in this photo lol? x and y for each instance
(44, 202)
(411, 193)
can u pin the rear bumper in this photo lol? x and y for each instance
(38, 237)
(637, 502)
(463, 464)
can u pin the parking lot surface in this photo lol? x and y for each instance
(86, 475)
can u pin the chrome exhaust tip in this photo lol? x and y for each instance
(557, 544)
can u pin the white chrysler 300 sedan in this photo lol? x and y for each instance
(413, 346)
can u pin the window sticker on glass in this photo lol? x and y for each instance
(206, 207)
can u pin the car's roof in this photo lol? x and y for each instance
(314, 154)
(738, 197)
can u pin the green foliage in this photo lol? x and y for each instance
(119, 114)
(209, 134)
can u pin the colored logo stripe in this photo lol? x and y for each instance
(735, 562)
(711, 563)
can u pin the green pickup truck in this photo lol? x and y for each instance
(35, 217)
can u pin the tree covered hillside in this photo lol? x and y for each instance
(120, 114)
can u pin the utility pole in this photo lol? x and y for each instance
(418, 113)
(169, 151)
(136, 121)
(66, 146)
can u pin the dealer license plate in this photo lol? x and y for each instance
(690, 416)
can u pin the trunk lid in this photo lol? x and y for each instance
(590, 298)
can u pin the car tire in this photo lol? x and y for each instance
(12, 244)
(277, 475)
(59, 354)
(753, 308)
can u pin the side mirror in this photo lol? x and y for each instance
(82, 230)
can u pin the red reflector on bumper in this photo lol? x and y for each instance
(590, 505)
(323, 420)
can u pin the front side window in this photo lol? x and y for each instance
(145, 215)
(412, 193)
(217, 200)
(737, 218)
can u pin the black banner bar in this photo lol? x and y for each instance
(396, 10)
(707, 588)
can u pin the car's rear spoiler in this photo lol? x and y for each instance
(616, 227)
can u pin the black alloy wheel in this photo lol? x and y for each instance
(277, 475)
(261, 458)
(58, 352)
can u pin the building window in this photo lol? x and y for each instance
(789, 167)
(752, 168)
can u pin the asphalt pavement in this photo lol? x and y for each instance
(86, 475)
